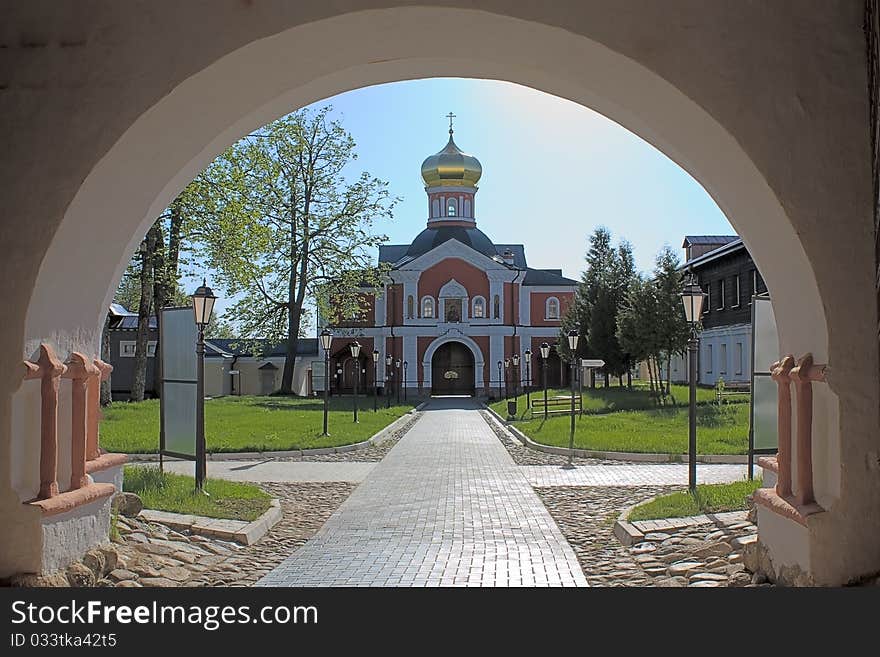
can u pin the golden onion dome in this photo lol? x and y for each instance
(451, 167)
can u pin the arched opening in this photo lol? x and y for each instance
(191, 118)
(452, 370)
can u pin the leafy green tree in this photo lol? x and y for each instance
(672, 328)
(281, 223)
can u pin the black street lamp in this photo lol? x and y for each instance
(388, 376)
(572, 345)
(506, 370)
(203, 305)
(326, 342)
(500, 377)
(692, 297)
(405, 365)
(355, 354)
(528, 385)
(375, 380)
(397, 376)
(515, 360)
(545, 354)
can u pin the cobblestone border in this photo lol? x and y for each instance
(240, 531)
(616, 456)
(377, 438)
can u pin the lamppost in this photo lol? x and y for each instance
(528, 382)
(405, 365)
(515, 360)
(388, 376)
(506, 371)
(500, 377)
(545, 354)
(572, 346)
(692, 297)
(355, 354)
(397, 376)
(375, 380)
(326, 342)
(203, 305)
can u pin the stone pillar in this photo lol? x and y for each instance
(780, 372)
(81, 372)
(48, 369)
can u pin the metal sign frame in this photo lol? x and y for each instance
(163, 452)
(756, 298)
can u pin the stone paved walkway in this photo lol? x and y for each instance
(280, 471)
(446, 507)
(642, 474)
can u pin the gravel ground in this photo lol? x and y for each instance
(374, 452)
(586, 516)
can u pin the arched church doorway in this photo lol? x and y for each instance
(452, 370)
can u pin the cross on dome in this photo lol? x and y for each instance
(450, 116)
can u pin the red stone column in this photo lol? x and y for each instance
(49, 370)
(80, 371)
(780, 372)
(803, 376)
(102, 373)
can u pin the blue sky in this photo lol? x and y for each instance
(553, 170)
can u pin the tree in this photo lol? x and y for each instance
(147, 254)
(672, 327)
(599, 295)
(280, 223)
(636, 325)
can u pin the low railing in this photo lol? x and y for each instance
(86, 455)
(558, 404)
(794, 499)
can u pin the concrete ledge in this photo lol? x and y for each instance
(240, 531)
(375, 439)
(617, 456)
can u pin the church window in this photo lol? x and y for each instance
(428, 307)
(551, 309)
(409, 307)
(450, 208)
(479, 307)
(497, 306)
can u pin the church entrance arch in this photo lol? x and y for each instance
(452, 370)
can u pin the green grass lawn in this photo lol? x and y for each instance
(709, 498)
(611, 424)
(613, 399)
(234, 424)
(176, 493)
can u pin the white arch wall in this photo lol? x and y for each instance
(774, 95)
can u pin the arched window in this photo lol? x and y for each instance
(428, 307)
(551, 308)
(450, 207)
(479, 311)
(409, 307)
(497, 306)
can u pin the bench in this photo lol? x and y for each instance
(558, 404)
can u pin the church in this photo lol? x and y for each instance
(455, 306)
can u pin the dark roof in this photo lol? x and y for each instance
(243, 347)
(708, 239)
(519, 254)
(546, 277)
(730, 247)
(392, 252)
(268, 366)
(118, 310)
(130, 323)
(431, 238)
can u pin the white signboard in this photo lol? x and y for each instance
(592, 362)
(765, 350)
(177, 405)
(318, 376)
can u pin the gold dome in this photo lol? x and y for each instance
(451, 168)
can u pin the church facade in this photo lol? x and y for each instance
(454, 305)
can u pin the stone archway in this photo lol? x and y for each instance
(452, 370)
(763, 139)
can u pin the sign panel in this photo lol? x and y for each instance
(177, 405)
(594, 362)
(318, 376)
(763, 437)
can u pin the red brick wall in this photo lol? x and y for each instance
(394, 303)
(368, 315)
(473, 279)
(538, 300)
